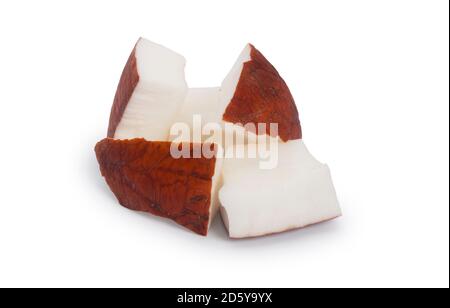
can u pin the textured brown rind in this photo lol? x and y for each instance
(144, 177)
(127, 84)
(262, 96)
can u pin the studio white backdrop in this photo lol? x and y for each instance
(370, 79)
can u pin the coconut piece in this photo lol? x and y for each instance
(297, 193)
(254, 92)
(152, 95)
(151, 90)
(145, 177)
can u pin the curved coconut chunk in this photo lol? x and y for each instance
(145, 177)
(297, 193)
(254, 92)
(151, 90)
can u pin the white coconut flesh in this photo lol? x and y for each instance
(296, 194)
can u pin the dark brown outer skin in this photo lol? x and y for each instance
(127, 84)
(262, 96)
(144, 177)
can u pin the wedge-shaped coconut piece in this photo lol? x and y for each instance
(254, 92)
(151, 90)
(297, 193)
(144, 176)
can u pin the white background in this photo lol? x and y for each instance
(371, 82)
